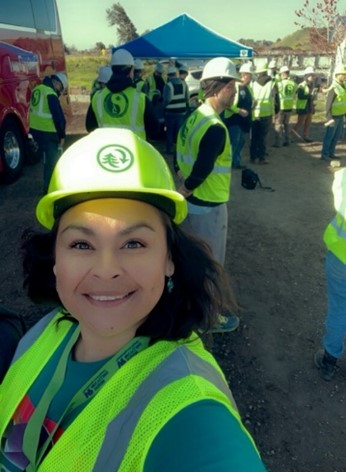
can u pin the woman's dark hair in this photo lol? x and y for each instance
(201, 286)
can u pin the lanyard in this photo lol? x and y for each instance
(90, 388)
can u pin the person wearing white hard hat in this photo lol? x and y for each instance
(237, 117)
(334, 237)
(153, 88)
(204, 160)
(335, 113)
(118, 369)
(175, 105)
(286, 88)
(47, 121)
(264, 93)
(272, 69)
(305, 107)
(103, 76)
(120, 104)
(138, 74)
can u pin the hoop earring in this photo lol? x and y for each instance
(170, 285)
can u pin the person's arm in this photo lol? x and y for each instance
(57, 115)
(203, 437)
(151, 122)
(329, 103)
(211, 146)
(90, 120)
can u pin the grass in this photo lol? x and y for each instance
(82, 70)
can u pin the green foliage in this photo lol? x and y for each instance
(116, 16)
(298, 40)
(82, 70)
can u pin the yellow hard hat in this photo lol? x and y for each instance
(110, 162)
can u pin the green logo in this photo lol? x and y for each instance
(115, 158)
(35, 97)
(116, 104)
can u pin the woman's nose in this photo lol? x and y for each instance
(106, 265)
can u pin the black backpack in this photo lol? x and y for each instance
(249, 180)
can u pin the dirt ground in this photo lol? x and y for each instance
(276, 260)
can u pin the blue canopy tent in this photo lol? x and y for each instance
(185, 37)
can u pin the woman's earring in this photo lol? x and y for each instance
(170, 285)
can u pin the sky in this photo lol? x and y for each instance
(84, 23)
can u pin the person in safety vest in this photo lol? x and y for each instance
(138, 72)
(103, 76)
(286, 91)
(120, 104)
(305, 107)
(47, 121)
(237, 117)
(116, 378)
(335, 266)
(175, 104)
(335, 113)
(204, 160)
(264, 92)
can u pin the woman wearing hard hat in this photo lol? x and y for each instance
(116, 377)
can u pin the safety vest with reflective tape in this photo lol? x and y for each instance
(125, 109)
(178, 102)
(339, 103)
(335, 237)
(150, 80)
(264, 99)
(115, 430)
(301, 102)
(40, 117)
(286, 89)
(216, 186)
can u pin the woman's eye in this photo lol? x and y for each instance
(80, 245)
(133, 245)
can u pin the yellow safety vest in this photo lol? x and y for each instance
(150, 80)
(40, 117)
(339, 103)
(216, 187)
(264, 99)
(125, 109)
(115, 430)
(286, 89)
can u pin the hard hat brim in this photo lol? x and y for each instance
(52, 205)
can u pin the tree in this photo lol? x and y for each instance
(327, 24)
(100, 46)
(116, 16)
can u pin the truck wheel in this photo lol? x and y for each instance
(11, 151)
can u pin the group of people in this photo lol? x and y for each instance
(116, 377)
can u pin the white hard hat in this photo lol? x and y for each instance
(138, 64)
(219, 68)
(62, 78)
(159, 67)
(261, 68)
(247, 67)
(272, 64)
(105, 73)
(171, 70)
(340, 69)
(309, 70)
(122, 57)
(284, 69)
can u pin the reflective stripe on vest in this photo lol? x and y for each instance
(301, 102)
(178, 94)
(339, 103)
(216, 186)
(335, 237)
(264, 99)
(40, 117)
(128, 112)
(121, 429)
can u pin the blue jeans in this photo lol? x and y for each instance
(173, 123)
(333, 340)
(331, 137)
(236, 137)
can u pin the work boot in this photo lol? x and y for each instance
(226, 324)
(326, 364)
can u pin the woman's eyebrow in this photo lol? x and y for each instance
(89, 231)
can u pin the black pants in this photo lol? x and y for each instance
(259, 132)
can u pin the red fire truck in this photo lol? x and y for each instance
(31, 47)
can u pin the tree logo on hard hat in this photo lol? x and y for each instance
(115, 158)
(116, 104)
